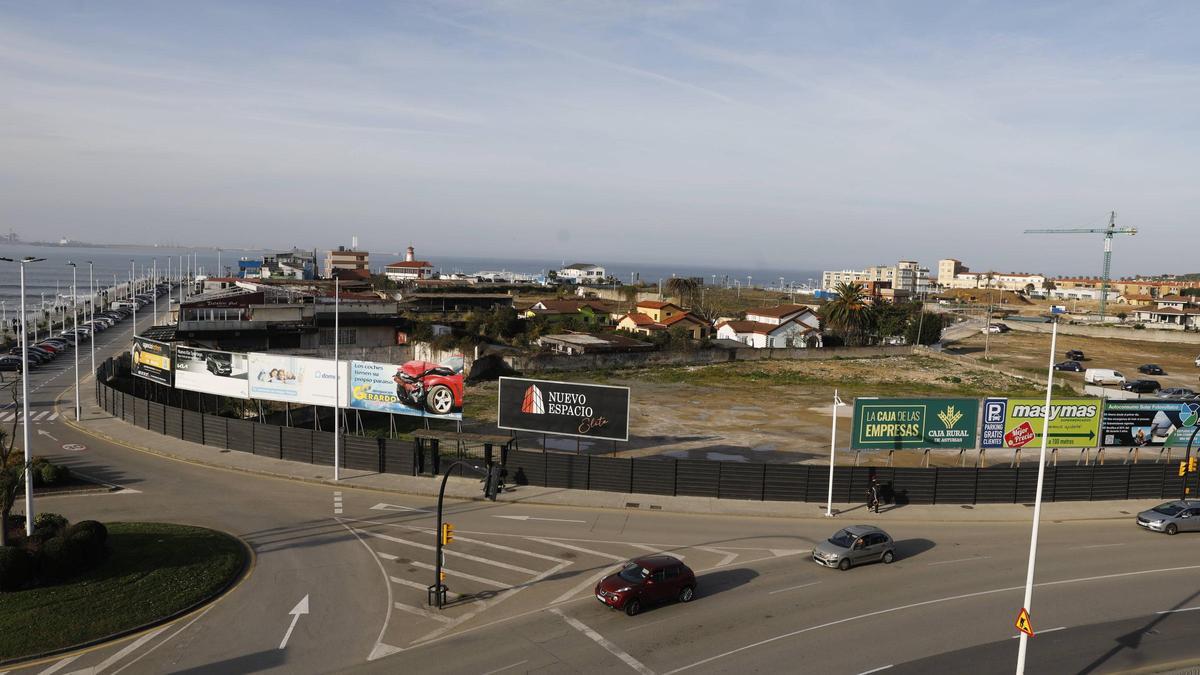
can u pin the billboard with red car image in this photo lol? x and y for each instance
(419, 388)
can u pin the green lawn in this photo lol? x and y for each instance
(153, 570)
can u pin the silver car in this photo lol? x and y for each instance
(1172, 517)
(855, 545)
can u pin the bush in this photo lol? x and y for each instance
(16, 569)
(53, 473)
(99, 530)
(87, 546)
(61, 557)
(49, 522)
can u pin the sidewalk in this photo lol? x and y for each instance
(100, 423)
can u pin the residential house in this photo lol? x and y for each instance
(582, 273)
(1169, 315)
(293, 264)
(760, 335)
(346, 259)
(650, 316)
(781, 314)
(583, 343)
(590, 312)
(409, 269)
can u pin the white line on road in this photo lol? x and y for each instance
(510, 549)
(464, 575)
(1042, 632)
(603, 642)
(793, 588)
(396, 507)
(958, 560)
(498, 670)
(876, 670)
(59, 665)
(580, 549)
(129, 649)
(410, 584)
(1172, 611)
(421, 612)
(464, 556)
(653, 549)
(164, 640)
(380, 649)
(553, 520)
(1100, 546)
(925, 603)
(724, 561)
(585, 584)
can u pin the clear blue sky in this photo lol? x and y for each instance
(826, 135)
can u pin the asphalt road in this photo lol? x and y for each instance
(521, 579)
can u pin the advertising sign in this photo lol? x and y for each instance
(898, 423)
(152, 360)
(564, 408)
(296, 379)
(1133, 424)
(212, 372)
(416, 388)
(1017, 422)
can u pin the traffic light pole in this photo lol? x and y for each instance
(437, 592)
(1187, 462)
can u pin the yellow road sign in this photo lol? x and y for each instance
(1022, 623)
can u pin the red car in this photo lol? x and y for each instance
(647, 581)
(432, 386)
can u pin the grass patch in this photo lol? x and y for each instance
(153, 571)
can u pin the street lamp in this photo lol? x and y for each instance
(837, 402)
(132, 298)
(75, 325)
(154, 291)
(337, 371)
(92, 315)
(25, 400)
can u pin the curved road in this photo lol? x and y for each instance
(521, 577)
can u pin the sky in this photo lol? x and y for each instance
(813, 135)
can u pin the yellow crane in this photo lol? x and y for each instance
(1108, 233)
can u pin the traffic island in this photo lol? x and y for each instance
(153, 572)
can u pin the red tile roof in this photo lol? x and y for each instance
(779, 311)
(639, 319)
(760, 327)
(655, 304)
(410, 264)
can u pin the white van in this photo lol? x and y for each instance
(1103, 376)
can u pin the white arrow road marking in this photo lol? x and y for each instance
(300, 608)
(396, 507)
(603, 642)
(43, 432)
(551, 520)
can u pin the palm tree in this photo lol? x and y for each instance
(849, 314)
(683, 288)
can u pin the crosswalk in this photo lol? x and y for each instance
(483, 570)
(35, 417)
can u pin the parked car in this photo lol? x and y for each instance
(996, 328)
(855, 545)
(1142, 386)
(1198, 361)
(1176, 392)
(432, 386)
(1073, 366)
(1075, 355)
(10, 363)
(647, 581)
(1172, 517)
(1150, 369)
(1103, 376)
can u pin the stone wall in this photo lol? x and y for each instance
(1146, 335)
(561, 363)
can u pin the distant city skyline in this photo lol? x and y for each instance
(756, 135)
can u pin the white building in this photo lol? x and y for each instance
(409, 269)
(905, 275)
(782, 314)
(582, 273)
(760, 335)
(953, 274)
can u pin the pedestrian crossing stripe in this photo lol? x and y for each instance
(1022, 622)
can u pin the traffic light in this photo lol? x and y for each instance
(1192, 464)
(447, 533)
(1182, 467)
(491, 484)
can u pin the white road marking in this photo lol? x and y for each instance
(164, 640)
(446, 550)
(464, 575)
(1173, 611)
(958, 560)
(510, 549)
(490, 672)
(585, 584)
(396, 507)
(653, 549)
(410, 584)
(924, 603)
(580, 549)
(52, 417)
(876, 670)
(603, 642)
(380, 649)
(1100, 546)
(724, 561)
(553, 520)
(1041, 632)
(300, 609)
(129, 649)
(387, 556)
(59, 665)
(421, 612)
(781, 552)
(793, 588)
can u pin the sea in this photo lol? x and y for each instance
(49, 281)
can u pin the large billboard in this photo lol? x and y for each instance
(418, 388)
(1131, 424)
(151, 360)
(1018, 422)
(563, 408)
(212, 372)
(900, 423)
(296, 379)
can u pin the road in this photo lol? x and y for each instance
(521, 579)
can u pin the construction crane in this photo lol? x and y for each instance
(1108, 233)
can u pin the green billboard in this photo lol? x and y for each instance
(905, 423)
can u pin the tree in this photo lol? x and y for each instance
(925, 328)
(683, 288)
(12, 470)
(848, 314)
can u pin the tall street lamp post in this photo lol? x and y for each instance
(25, 399)
(837, 403)
(337, 385)
(78, 335)
(92, 315)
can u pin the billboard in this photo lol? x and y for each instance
(899, 423)
(1017, 422)
(296, 379)
(418, 388)
(151, 360)
(212, 372)
(563, 408)
(1132, 424)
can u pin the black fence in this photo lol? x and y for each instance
(662, 475)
